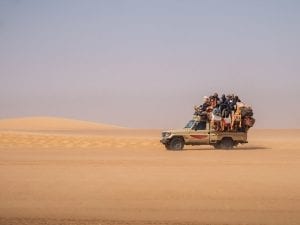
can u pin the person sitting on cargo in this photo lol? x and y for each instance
(223, 105)
(226, 123)
(203, 109)
(197, 110)
(214, 100)
(231, 103)
(216, 119)
(236, 100)
(206, 103)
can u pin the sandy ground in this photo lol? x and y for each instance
(122, 176)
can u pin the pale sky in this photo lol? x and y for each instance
(145, 63)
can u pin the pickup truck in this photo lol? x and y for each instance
(200, 133)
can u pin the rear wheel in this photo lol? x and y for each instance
(226, 143)
(176, 144)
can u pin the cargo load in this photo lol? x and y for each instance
(227, 113)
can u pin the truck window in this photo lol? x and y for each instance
(190, 124)
(201, 125)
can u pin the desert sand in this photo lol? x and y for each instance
(59, 171)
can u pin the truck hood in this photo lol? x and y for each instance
(174, 131)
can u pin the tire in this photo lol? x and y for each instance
(226, 143)
(176, 144)
(167, 146)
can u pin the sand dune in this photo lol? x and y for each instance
(125, 176)
(74, 140)
(50, 123)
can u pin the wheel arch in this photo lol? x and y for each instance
(227, 138)
(174, 140)
(178, 136)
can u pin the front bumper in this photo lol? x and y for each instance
(165, 141)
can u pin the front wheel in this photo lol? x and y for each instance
(176, 144)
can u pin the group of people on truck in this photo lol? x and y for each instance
(225, 113)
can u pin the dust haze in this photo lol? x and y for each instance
(132, 69)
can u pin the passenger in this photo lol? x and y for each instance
(224, 106)
(227, 113)
(214, 100)
(217, 98)
(231, 103)
(216, 120)
(206, 103)
(197, 110)
(237, 99)
(226, 124)
(222, 103)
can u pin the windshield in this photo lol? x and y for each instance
(190, 124)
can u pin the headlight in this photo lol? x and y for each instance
(166, 134)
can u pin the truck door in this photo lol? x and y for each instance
(200, 133)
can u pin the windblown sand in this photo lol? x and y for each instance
(102, 175)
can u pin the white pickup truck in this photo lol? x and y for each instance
(200, 133)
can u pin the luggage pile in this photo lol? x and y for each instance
(227, 113)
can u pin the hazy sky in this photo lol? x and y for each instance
(146, 63)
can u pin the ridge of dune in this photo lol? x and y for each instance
(51, 123)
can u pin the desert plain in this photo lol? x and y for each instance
(60, 171)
